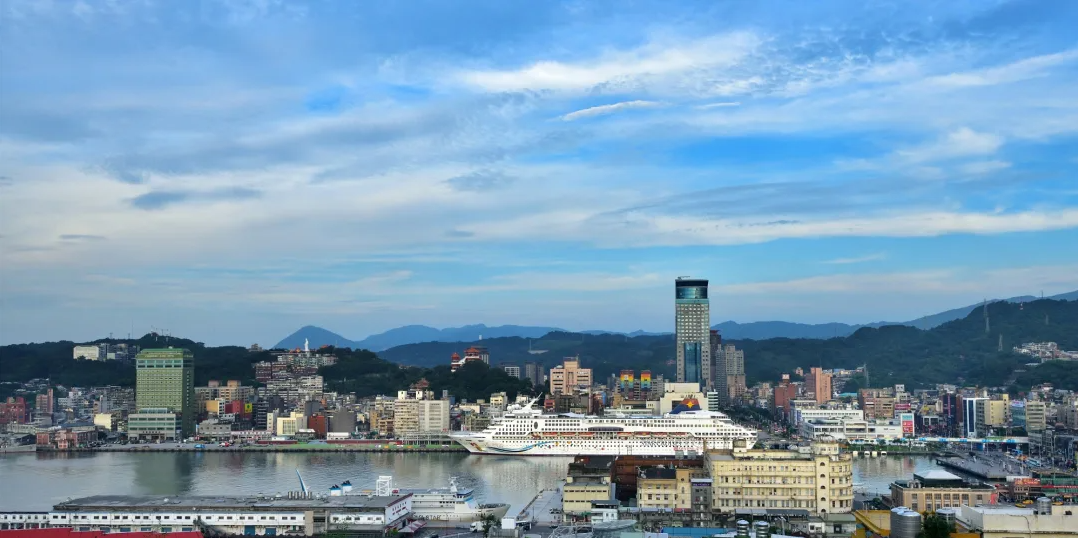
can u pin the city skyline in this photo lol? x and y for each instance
(555, 165)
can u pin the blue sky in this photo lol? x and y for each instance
(233, 170)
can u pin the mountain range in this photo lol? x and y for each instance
(757, 330)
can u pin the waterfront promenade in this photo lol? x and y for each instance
(387, 447)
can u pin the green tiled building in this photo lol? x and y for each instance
(165, 379)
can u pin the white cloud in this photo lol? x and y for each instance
(973, 282)
(859, 259)
(609, 109)
(961, 142)
(984, 167)
(722, 104)
(1027, 68)
(619, 68)
(645, 229)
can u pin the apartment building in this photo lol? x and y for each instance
(565, 379)
(817, 478)
(420, 416)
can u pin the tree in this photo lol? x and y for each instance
(936, 527)
(488, 522)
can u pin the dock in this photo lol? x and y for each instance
(988, 467)
(300, 447)
(541, 510)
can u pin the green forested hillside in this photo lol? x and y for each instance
(358, 371)
(955, 352)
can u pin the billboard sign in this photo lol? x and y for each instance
(907, 424)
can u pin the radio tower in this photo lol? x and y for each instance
(986, 331)
(1000, 342)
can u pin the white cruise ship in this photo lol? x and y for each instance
(528, 431)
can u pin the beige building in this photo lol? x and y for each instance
(579, 492)
(288, 426)
(565, 379)
(817, 478)
(667, 488)
(416, 417)
(656, 487)
(932, 490)
(991, 414)
(1008, 521)
(1036, 416)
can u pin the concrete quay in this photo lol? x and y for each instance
(988, 467)
(298, 447)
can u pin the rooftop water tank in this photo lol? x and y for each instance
(905, 523)
(948, 514)
(1043, 505)
(742, 529)
(762, 528)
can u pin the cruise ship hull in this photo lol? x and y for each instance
(528, 431)
(658, 446)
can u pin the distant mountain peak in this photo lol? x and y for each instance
(731, 330)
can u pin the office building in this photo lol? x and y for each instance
(511, 370)
(165, 379)
(931, 490)
(991, 414)
(819, 480)
(969, 416)
(818, 383)
(568, 377)
(809, 414)
(155, 424)
(1036, 416)
(852, 429)
(730, 374)
(533, 373)
(44, 403)
(692, 325)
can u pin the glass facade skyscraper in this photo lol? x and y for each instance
(692, 323)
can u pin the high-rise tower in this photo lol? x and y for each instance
(165, 380)
(692, 323)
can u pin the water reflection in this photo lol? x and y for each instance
(48, 478)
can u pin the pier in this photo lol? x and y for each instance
(996, 468)
(299, 447)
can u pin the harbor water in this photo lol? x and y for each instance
(37, 481)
